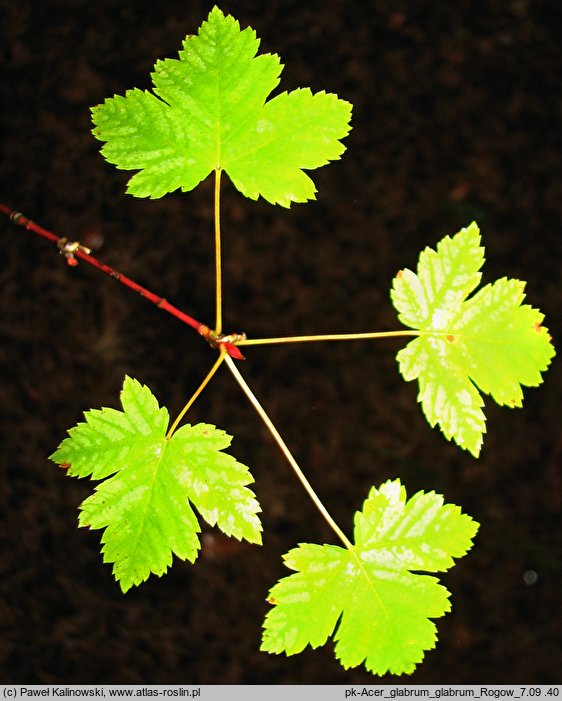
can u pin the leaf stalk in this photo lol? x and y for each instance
(218, 253)
(197, 392)
(286, 452)
(327, 337)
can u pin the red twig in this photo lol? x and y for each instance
(74, 249)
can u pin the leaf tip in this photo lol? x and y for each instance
(124, 585)
(474, 450)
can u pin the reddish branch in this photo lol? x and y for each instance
(74, 250)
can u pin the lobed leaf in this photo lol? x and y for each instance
(383, 609)
(145, 505)
(209, 111)
(490, 342)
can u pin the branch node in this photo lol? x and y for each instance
(227, 341)
(69, 248)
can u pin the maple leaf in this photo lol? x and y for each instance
(145, 505)
(383, 609)
(490, 342)
(209, 111)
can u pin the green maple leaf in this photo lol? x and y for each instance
(490, 342)
(383, 609)
(209, 111)
(145, 505)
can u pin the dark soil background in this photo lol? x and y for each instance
(456, 117)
